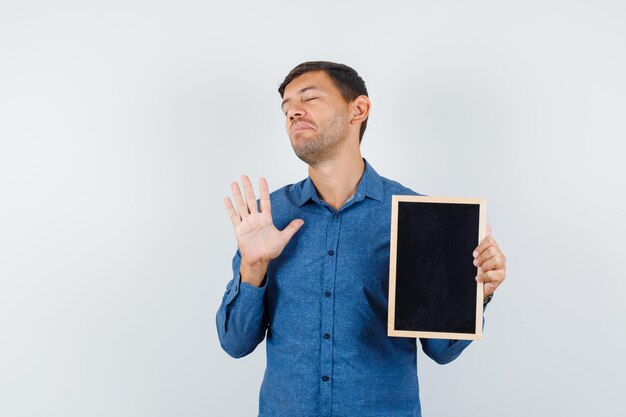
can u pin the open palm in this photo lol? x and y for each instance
(258, 239)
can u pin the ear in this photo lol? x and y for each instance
(360, 109)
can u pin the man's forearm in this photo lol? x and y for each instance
(240, 319)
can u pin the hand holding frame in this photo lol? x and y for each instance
(491, 263)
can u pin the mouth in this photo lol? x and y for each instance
(300, 126)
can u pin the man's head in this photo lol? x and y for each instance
(324, 103)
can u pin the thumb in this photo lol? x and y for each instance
(291, 229)
(488, 231)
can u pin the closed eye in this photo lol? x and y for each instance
(308, 99)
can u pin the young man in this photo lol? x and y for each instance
(312, 267)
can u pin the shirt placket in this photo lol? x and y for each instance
(328, 314)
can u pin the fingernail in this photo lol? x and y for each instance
(475, 253)
(475, 262)
(477, 279)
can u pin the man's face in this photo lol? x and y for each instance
(316, 117)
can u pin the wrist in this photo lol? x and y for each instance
(487, 299)
(253, 274)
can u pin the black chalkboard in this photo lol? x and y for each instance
(432, 288)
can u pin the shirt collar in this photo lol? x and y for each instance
(370, 185)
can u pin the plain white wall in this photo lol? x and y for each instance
(122, 124)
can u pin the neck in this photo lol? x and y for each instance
(336, 180)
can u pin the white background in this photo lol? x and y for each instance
(122, 124)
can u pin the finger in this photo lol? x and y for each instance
(232, 213)
(242, 207)
(250, 197)
(494, 277)
(493, 264)
(266, 205)
(291, 229)
(491, 280)
(488, 289)
(488, 231)
(488, 253)
(484, 244)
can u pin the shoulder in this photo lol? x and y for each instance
(391, 187)
(378, 184)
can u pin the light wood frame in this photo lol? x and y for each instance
(482, 224)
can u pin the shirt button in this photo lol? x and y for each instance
(326, 336)
(327, 293)
(335, 216)
(331, 253)
(325, 378)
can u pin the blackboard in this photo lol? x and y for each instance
(432, 288)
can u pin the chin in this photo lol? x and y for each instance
(303, 134)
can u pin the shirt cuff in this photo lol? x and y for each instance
(246, 293)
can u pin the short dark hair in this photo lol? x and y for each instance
(347, 81)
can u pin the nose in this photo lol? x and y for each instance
(294, 112)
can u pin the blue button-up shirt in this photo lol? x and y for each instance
(323, 311)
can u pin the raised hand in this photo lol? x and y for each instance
(258, 239)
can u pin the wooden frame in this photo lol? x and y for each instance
(393, 262)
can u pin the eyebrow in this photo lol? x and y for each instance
(302, 90)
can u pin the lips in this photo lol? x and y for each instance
(300, 126)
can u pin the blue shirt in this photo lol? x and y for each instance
(322, 310)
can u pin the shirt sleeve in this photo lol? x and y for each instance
(445, 351)
(240, 320)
